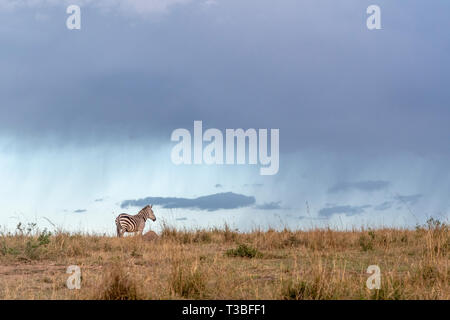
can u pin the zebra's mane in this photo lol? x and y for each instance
(144, 211)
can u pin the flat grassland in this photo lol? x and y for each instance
(226, 264)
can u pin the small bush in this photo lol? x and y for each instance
(33, 247)
(6, 250)
(244, 251)
(44, 238)
(366, 242)
(29, 244)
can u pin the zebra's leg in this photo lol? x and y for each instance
(119, 231)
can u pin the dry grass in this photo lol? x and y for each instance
(224, 264)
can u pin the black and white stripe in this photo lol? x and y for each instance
(134, 223)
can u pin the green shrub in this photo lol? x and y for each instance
(5, 250)
(244, 251)
(29, 245)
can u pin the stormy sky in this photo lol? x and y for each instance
(86, 115)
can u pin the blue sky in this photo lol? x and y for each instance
(86, 115)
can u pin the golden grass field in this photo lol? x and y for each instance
(226, 264)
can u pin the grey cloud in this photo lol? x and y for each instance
(180, 78)
(409, 199)
(80, 211)
(181, 219)
(269, 206)
(98, 200)
(366, 186)
(384, 206)
(218, 185)
(228, 200)
(399, 199)
(346, 209)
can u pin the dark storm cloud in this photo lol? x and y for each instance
(213, 202)
(366, 186)
(239, 64)
(269, 206)
(346, 209)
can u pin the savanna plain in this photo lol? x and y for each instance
(222, 263)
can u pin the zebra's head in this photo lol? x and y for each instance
(148, 213)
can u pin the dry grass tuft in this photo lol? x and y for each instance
(187, 281)
(118, 284)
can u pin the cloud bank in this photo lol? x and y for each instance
(213, 202)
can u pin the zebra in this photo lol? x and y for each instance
(129, 223)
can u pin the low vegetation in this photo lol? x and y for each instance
(226, 264)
